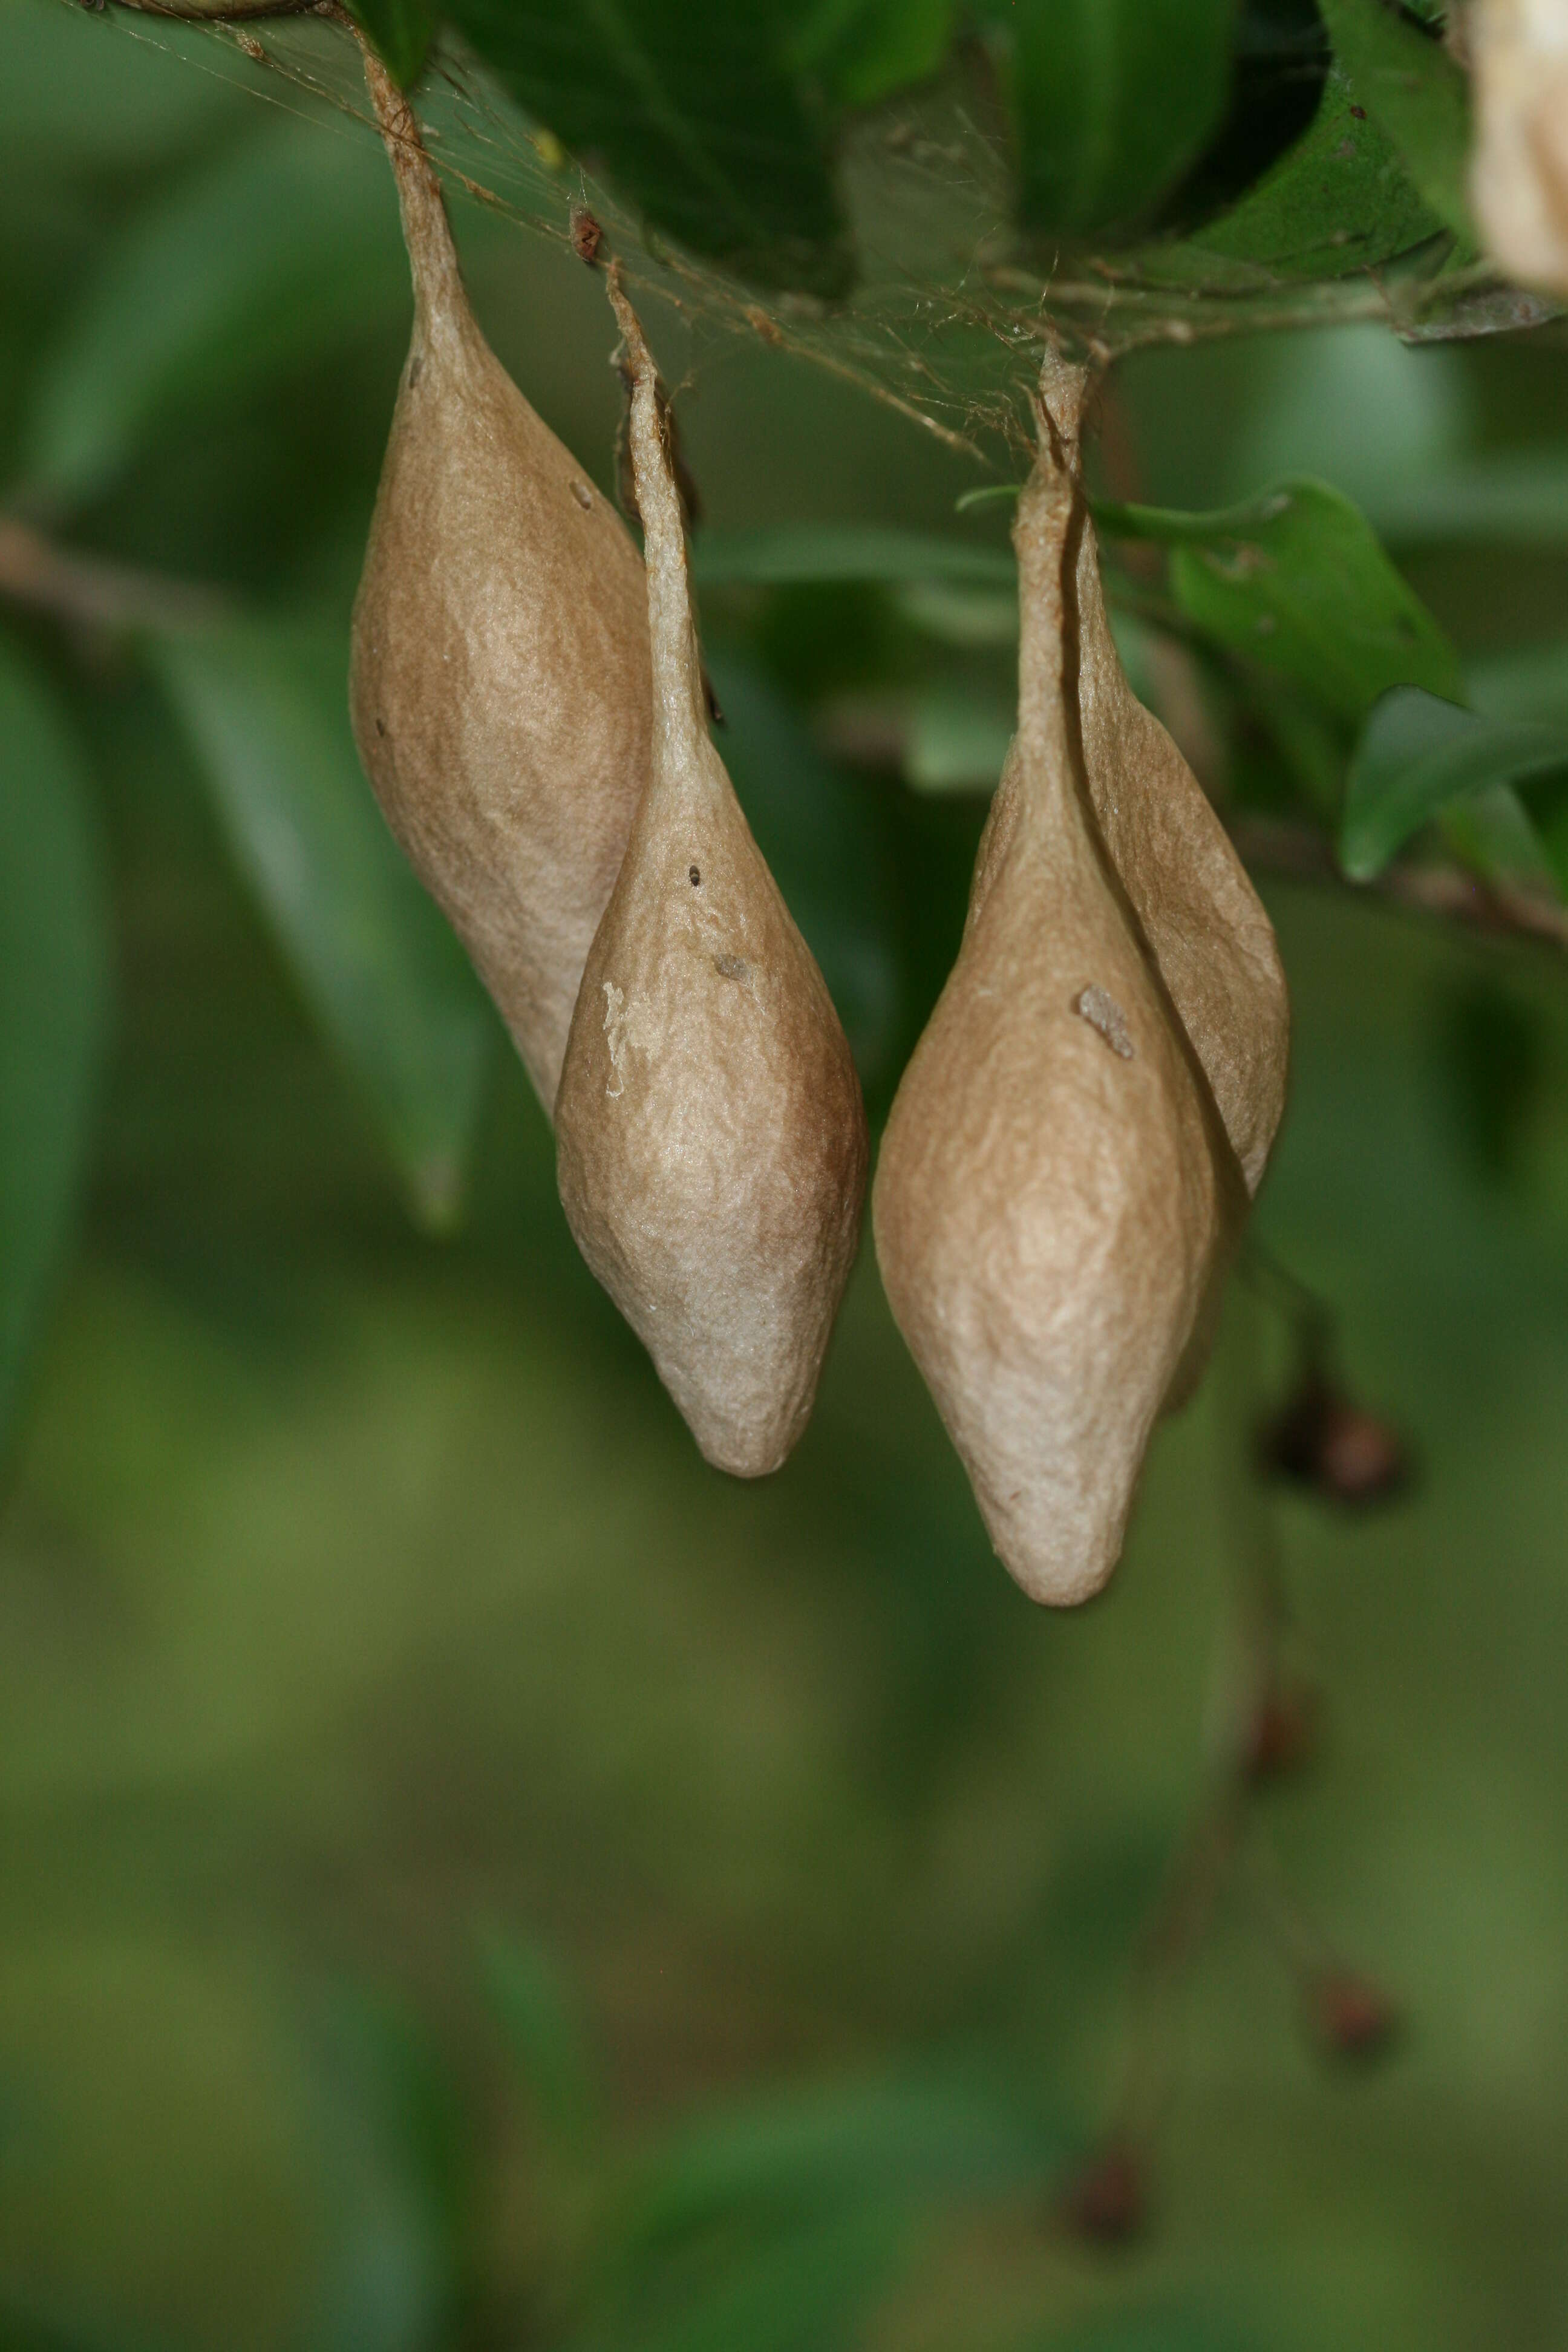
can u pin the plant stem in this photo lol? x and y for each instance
(86, 590)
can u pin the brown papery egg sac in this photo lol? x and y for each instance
(1200, 917)
(1056, 1193)
(1519, 168)
(710, 1139)
(500, 674)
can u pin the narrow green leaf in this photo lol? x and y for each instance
(1339, 200)
(1296, 581)
(530, 1999)
(822, 2149)
(1417, 755)
(788, 554)
(691, 111)
(396, 2153)
(400, 32)
(265, 710)
(54, 990)
(1409, 83)
(863, 50)
(1111, 100)
(285, 249)
(808, 2288)
(1497, 838)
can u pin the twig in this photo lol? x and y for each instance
(83, 589)
(1304, 854)
(229, 12)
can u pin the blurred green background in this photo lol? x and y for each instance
(471, 1876)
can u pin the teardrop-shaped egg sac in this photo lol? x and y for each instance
(1203, 922)
(710, 1139)
(499, 676)
(1055, 1193)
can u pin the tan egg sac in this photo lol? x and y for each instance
(1519, 169)
(1201, 919)
(499, 676)
(1056, 1194)
(710, 1141)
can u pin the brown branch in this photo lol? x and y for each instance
(98, 594)
(1300, 854)
(229, 12)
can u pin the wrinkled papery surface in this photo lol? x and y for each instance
(1201, 919)
(1056, 1193)
(1519, 172)
(711, 1145)
(499, 676)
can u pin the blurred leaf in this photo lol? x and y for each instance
(399, 2164)
(1296, 581)
(1354, 407)
(400, 32)
(1546, 802)
(824, 2149)
(863, 50)
(1494, 833)
(786, 553)
(815, 826)
(526, 1991)
(82, 90)
(1492, 1060)
(1338, 200)
(1281, 58)
(1410, 84)
(688, 107)
(810, 2288)
(267, 711)
(1145, 2331)
(958, 740)
(23, 2329)
(976, 620)
(1500, 495)
(54, 990)
(1529, 682)
(285, 250)
(1111, 100)
(1415, 755)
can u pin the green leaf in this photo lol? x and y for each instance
(1417, 755)
(1495, 836)
(1501, 497)
(1111, 100)
(266, 712)
(400, 32)
(1296, 581)
(788, 554)
(958, 739)
(1339, 200)
(823, 2150)
(396, 2146)
(1528, 682)
(529, 1998)
(1409, 83)
(815, 826)
(863, 50)
(1146, 2331)
(286, 249)
(689, 109)
(54, 991)
(810, 2288)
